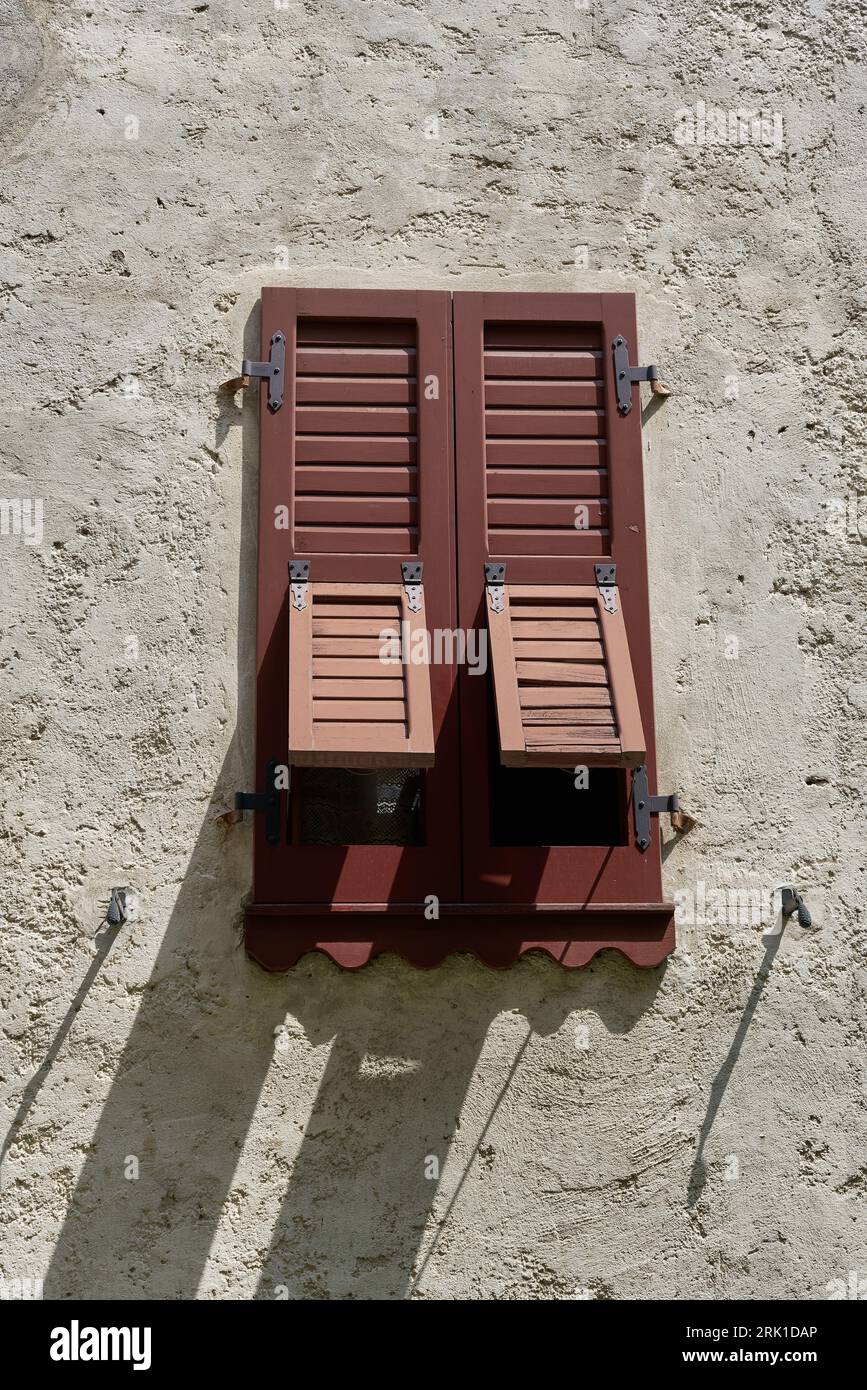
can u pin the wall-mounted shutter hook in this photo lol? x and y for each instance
(792, 902)
(625, 376)
(267, 801)
(273, 371)
(644, 806)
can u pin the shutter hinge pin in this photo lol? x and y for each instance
(412, 573)
(267, 801)
(273, 371)
(625, 376)
(299, 575)
(644, 806)
(606, 580)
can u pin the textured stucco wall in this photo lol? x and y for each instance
(696, 1130)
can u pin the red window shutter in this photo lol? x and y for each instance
(356, 505)
(550, 486)
(358, 460)
(356, 480)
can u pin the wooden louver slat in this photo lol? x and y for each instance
(353, 700)
(562, 700)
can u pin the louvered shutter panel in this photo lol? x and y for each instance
(545, 448)
(355, 480)
(551, 487)
(565, 690)
(356, 436)
(354, 701)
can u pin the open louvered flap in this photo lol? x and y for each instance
(563, 681)
(359, 678)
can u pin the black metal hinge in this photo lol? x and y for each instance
(412, 574)
(644, 806)
(273, 371)
(606, 582)
(625, 376)
(267, 801)
(495, 586)
(299, 577)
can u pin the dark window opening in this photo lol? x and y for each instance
(353, 806)
(533, 806)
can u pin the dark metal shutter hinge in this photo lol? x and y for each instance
(412, 573)
(267, 801)
(273, 371)
(625, 376)
(495, 586)
(644, 806)
(299, 575)
(606, 582)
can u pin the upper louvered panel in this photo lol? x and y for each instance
(545, 439)
(356, 437)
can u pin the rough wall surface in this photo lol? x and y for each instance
(692, 1131)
